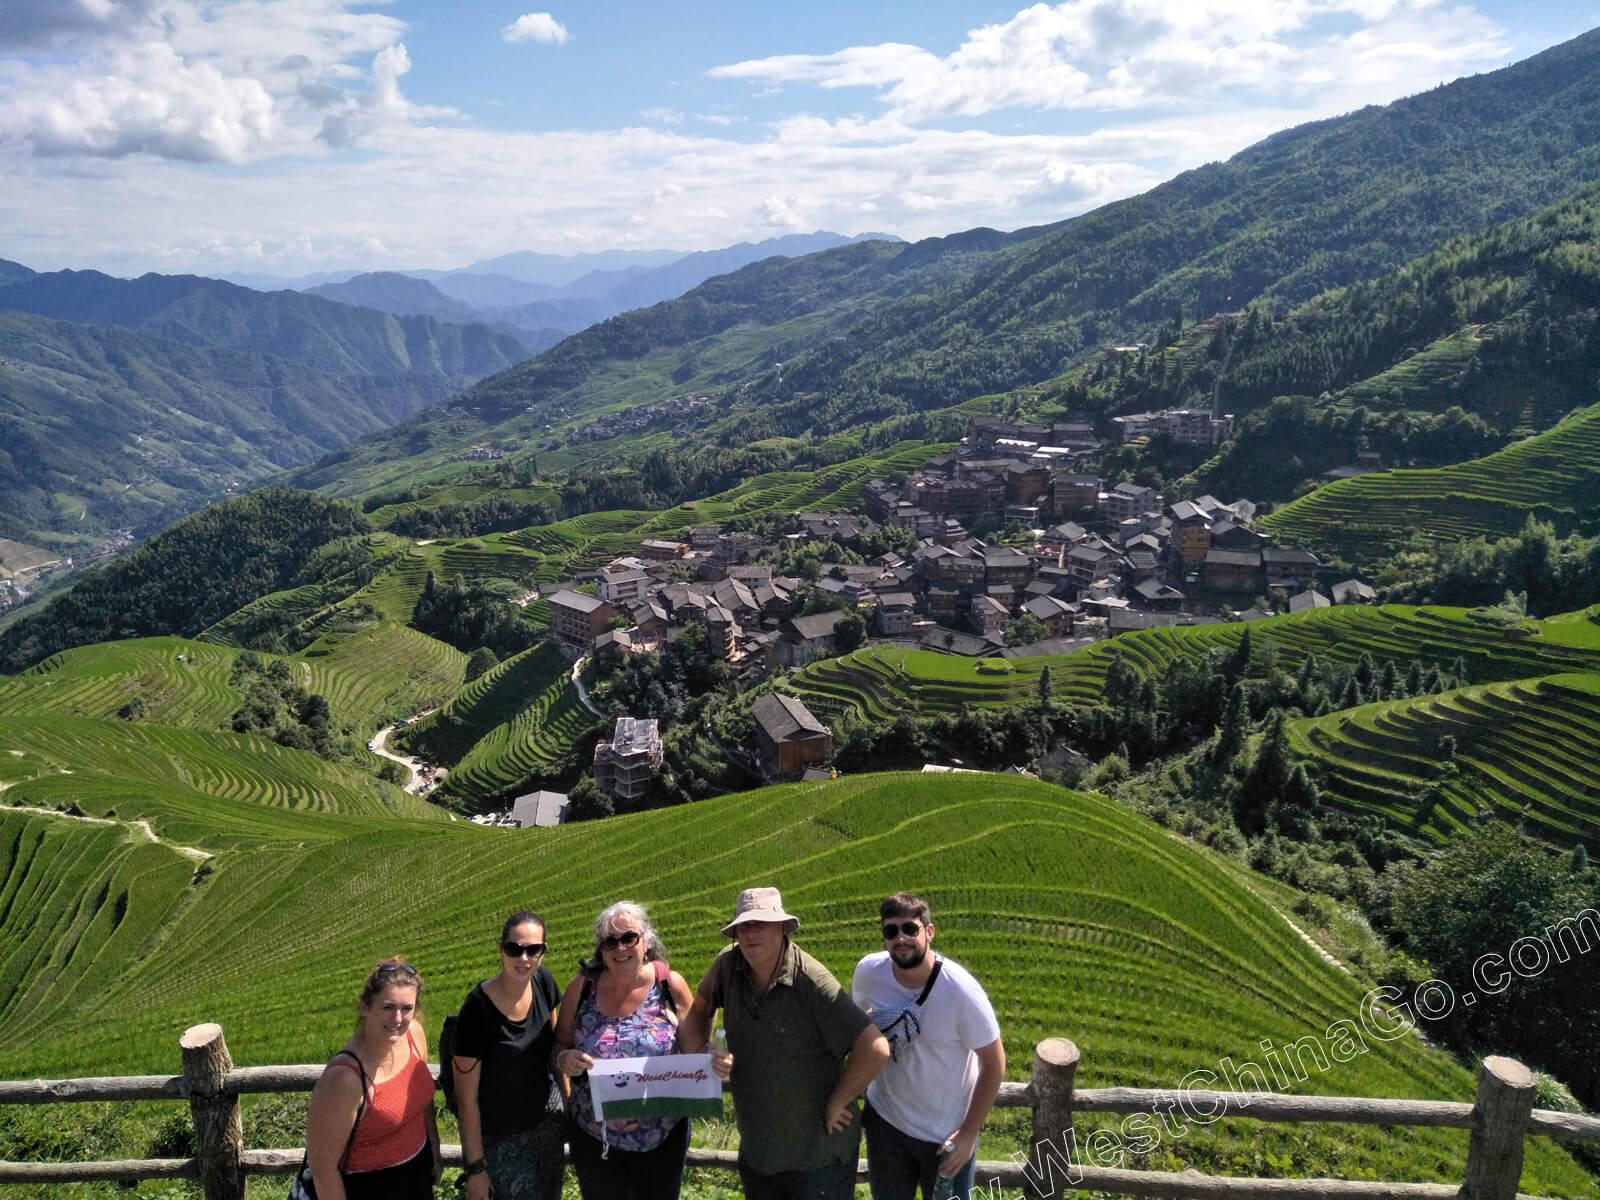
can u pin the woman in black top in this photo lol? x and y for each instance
(509, 1106)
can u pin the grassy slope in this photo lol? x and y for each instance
(1080, 920)
(1527, 750)
(1554, 475)
(880, 681)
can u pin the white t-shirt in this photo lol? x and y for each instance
(924, 1090)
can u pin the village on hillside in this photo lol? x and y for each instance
(1065, 562)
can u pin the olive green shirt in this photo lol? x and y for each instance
(789, 1046)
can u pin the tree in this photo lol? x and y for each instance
(480, 661)
(1044, 684)
(1269, 774)
(588, 802)
(850, 633)
(1026, 630)
(1232, 728)
(1497, 894)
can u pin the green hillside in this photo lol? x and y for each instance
(1554, 476)
(1079, 920)
(838, 340)
(879, 682)
(1525, 751)
(107, 428)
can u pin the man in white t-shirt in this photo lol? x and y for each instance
(946, 1059)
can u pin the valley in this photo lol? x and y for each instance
(1197, 599)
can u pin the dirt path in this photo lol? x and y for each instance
(415, 783)
(583, 692)
(139, 826)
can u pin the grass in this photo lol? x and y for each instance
(1525, 751)
(1080, 920)
(1554, 475)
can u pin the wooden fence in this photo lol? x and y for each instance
(1499, 1119)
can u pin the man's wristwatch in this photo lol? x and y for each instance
(474, 1168)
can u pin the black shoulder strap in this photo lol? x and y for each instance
(933, 978)
(360, 1109)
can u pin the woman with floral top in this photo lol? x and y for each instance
(624, 1002)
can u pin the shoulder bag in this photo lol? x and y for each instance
(304, 1187)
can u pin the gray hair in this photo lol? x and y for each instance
(653, 949)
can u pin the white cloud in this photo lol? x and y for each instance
(198, 80)
(150, 101)
(1125, 54)
(98, 136)
(536, 27)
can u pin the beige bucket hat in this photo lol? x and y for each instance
(760, 904)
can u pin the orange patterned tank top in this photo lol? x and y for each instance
(392, 1130)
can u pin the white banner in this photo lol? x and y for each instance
(670, 1085)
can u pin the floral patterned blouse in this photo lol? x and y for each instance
(647, 1031)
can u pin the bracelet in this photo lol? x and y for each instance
(474, 1168)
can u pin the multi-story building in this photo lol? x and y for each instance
(625, 765)
(576, 619)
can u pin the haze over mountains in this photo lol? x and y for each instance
(130, 402)
(543, 297)
(1380, 332)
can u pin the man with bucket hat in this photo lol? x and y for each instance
(802, 1054)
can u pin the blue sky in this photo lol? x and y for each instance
(289, 136)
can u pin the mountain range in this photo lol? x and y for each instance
(528, 294)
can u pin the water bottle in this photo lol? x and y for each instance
(944, 1186)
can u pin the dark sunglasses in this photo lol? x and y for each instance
(394, 964)
(622, 939)
(909, 928)
(522, 949)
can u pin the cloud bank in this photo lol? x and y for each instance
(215, 135)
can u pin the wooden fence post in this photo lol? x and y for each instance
(1055, 1067)
(1499, 1123)
(218, 1128)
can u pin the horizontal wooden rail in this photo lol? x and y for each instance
(1099, 1179)
(1498, 1120)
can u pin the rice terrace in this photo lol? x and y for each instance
(1194, 594)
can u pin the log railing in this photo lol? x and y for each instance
(1499, 1119)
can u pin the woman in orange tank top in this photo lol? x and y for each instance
(370, 1134)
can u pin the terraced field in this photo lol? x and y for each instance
(1554, 475)
(1528, 751)
(538, 737)
(581, 542)
(461, 493)
(878, 682)
(881, 682)
(384, 672)
(181, 682)
(494, 698)
(175, 777)
(1079, 920)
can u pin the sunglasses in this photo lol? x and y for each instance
(622, 939)
(394, 964)
(522, 949)
(909, 928)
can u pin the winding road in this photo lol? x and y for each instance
(379, 745)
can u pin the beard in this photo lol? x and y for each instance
(909, 957)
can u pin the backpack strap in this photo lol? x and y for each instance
(933, 978)
(360, 1109)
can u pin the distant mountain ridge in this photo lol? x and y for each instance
(931, 325)
(532, 296)
(126, 403)
(308, 330)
